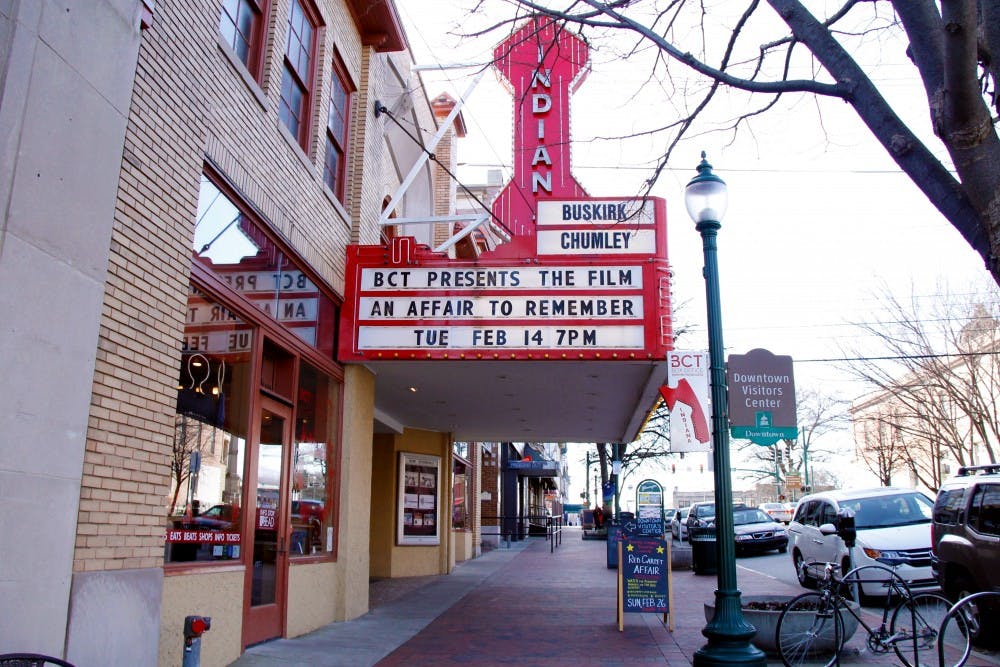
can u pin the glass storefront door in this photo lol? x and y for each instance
(268, 566)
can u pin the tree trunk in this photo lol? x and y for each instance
(912, 156)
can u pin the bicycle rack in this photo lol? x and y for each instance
(953, 612)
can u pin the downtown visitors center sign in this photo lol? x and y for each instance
(581, 278)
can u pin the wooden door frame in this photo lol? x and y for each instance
(268, 621)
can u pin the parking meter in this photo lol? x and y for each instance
(845, 527)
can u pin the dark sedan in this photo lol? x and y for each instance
(756, 531)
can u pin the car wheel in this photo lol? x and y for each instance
(983, 625)
(782, 550)
(804, 579)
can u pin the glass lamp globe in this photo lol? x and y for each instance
(706, 196)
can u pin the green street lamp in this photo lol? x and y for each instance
(728, 633)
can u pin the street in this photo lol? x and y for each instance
(770, 564)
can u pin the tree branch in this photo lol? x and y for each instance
(912, 156)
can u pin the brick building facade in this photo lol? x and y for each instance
(127, 127)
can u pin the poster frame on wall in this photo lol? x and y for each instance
(418, 502)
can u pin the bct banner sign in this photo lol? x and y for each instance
(686, 395)
(761, 397)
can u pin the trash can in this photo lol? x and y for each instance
(703, 556)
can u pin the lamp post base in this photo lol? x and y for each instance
(729, 636)
(746, 654)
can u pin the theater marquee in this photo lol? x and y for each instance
(581, 277)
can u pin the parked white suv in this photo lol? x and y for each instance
(893, 529)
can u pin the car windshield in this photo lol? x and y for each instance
(743, 517)
(705, 510)
(886, 511)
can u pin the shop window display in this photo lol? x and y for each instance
(315, 432)
(209, 448)
(233, 361)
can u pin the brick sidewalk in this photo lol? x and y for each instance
(559, 609)
(528, 606)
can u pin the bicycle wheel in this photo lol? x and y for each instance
(923, 613)
(810, 631)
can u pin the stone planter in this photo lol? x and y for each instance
(766, 621)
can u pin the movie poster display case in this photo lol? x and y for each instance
(418, 506)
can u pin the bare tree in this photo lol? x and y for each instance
(879, 448)
(936, 382)
(652, 446)
(950, 44)
(187, 439)
(194, 435)
(817, 414)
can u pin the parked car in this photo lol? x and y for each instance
(965, 538)
(893, 530)
(678, 525)
(216, 517)
(755, 530)
(778, 511)
(702, 515)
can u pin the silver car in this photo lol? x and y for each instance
(893, 531)
(678, 525)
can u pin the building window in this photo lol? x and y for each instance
(238, 250)
(210, 436)
(334, 167)
(229, 364)
(316, 429)
(297, 78)
(241, 26)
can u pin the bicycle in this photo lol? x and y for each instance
(817, 636)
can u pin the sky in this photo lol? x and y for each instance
(820, 220)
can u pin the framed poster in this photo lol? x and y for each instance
(418, 501)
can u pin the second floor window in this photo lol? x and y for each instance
(337, 132)
(240, 25)
(296, 79)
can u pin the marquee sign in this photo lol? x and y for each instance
(581, 278)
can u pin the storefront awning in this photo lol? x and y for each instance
(534, 468)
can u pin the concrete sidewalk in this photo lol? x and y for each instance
(525, 606)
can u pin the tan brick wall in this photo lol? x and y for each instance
(191, 103)
(125, 474)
